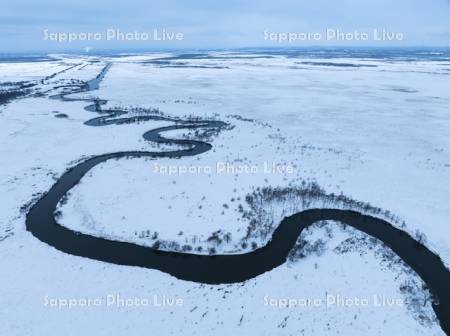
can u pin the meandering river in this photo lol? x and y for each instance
(212, 269)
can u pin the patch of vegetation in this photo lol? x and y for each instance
(268, 205)
(10, 91)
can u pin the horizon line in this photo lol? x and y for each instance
(94, 51)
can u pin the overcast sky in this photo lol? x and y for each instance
(216, 24)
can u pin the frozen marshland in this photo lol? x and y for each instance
(366, 131)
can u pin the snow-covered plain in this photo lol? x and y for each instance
(377, 133)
